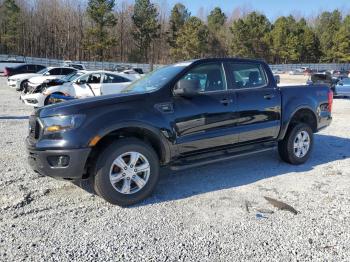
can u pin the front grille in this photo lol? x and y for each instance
(34, 127)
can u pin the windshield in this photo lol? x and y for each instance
(156, 79)
(43, 71)
(71, 76)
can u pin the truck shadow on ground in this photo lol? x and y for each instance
(238, 172)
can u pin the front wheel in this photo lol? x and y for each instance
(48, 100)
(126, 172)
(23, 87)
(297, 145)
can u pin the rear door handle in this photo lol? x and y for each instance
(225, 101)
(269, 96)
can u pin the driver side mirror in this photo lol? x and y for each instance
(187, 87)
(340, 83)
(47, 73)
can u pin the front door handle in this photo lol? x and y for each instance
(268, 96)
(226, 101)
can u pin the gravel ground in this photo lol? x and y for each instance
(212, 213)
(287, 79)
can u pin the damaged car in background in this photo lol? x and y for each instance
(82, 84)
(20, 82)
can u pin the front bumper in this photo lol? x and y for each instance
(74, 170)
(12, 83)
(36, 100)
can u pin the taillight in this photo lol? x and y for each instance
(330, 100)
(6, 72)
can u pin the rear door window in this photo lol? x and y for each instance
(246, 75)
(111, 79)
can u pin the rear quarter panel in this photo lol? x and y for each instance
(295, 98)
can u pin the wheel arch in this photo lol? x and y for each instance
(48, 96)
(303, 114)
(141, 131)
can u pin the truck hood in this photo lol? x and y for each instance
(78, 106)
(23, 76)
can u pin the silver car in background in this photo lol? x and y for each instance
(343, 87)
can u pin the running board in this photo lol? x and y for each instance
(185, 164)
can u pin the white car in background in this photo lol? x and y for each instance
(20, 81)
(74, 65)
(52, 73)
(93, 83)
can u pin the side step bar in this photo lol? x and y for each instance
(185, 164)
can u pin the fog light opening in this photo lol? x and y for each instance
(58, 161)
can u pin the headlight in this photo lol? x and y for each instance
(56, 124)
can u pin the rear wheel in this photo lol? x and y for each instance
(297, 145)
(126, 172)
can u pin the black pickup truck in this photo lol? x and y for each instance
(182, 115)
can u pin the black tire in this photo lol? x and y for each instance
(47, 99)
(286, 146)
(100, 177)
(23, 87)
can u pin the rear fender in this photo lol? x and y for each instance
(288, 116)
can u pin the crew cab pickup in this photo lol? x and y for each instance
(180, 116)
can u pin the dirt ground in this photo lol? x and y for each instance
(211, 213)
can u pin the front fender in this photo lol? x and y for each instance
(156, 133)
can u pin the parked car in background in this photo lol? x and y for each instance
(20, 81)
(11, 61)
(342, 88)
(22, 69)
(55, 82)
(340, 73)
(67, 78)
(93, 83)
(52, 73)
(324, 78)
(179, 116)
(74, 65)
(135, 72)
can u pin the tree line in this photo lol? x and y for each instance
(151, 33)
